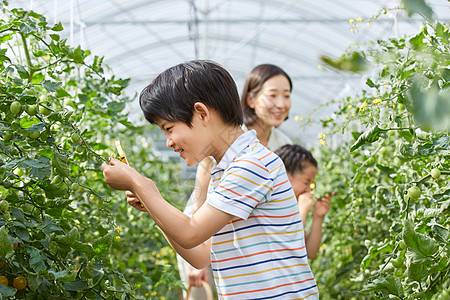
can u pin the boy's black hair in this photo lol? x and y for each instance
(253, 85)
(295, 158)
(172, 95)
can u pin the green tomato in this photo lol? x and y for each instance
(435, 173)
(44, 110)
(401, 106)
(68, 102)
(402, 245)
(32, 110)
(15, 107)
(75, 138)
(4, 206)
(75, 186)
(56, 180)
(414, 192)
(79, 149)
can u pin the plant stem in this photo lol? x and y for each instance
(27, 55)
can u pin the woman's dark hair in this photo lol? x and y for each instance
(172, 95)
(253, 85)
(295, 158)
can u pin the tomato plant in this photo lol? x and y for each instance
(387, 234)
(63, 232)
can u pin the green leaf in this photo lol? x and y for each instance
(36, 260)
(7, 291)
(97, 65)
(57, 27)
(6, 245)
(421, 246)
(368, 137)
(416, 270)
(371, 84)
(418, 7)
(49, 226)
(74, 285)
(18, 214)
(60, 163)
(388, 286)
(34, 281)
(431, 107)
(23, 73)
(50, 86)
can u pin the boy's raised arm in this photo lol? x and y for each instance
(184, 233)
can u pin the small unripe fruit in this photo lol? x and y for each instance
(414, 192)
(15, 107)
(435, 173)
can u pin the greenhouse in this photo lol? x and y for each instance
(365, 94)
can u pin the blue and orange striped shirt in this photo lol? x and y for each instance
(261, 253)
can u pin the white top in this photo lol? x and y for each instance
(276, 138)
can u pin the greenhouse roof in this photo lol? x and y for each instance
(141, 38)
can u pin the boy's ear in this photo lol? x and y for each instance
(202, 111)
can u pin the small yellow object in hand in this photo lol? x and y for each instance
(121, 152)
(123, 157)
(312, 186)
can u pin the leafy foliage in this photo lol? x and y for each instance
(61, 228)
(382, 241)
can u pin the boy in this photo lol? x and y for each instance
(301, 168)
(249, 228)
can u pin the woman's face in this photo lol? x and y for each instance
(273, 102)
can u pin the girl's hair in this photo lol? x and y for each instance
(171, 96)
(295, 158)
(253, 85)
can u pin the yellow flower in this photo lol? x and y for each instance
(147, 294)
(118, 228)
(349, 106)
(117, 238)
(351, 21)
(153, 293)
(322, 135)
(319, 66)
(368, 24)
(359, 19)
(297, 118)
(361, 108)
(377, 101)
(322, 141)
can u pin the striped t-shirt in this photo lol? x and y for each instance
(261, 253)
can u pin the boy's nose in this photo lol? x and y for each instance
(169, 142)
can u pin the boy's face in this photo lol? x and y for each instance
(273, 102)
(301, 181)
(189, 142)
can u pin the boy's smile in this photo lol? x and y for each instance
(186, 141)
